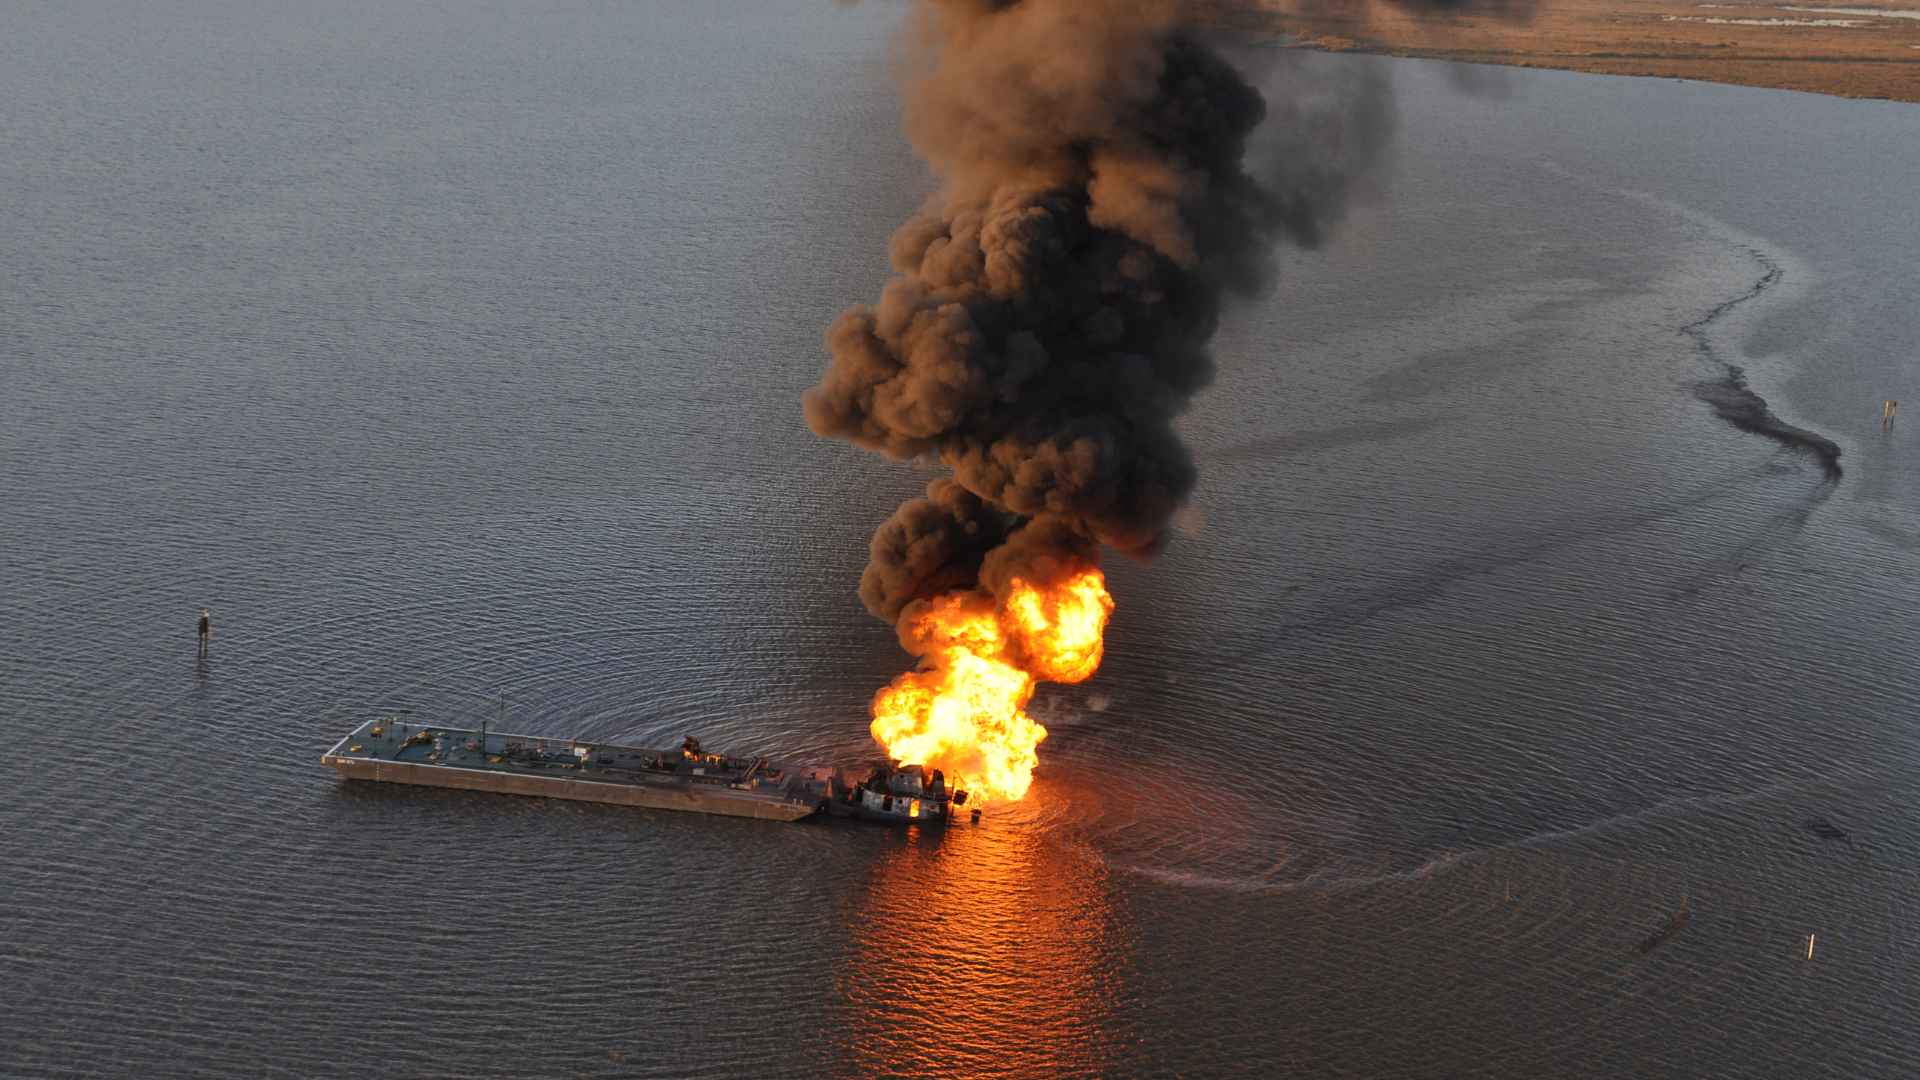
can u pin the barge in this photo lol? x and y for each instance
(393, 750)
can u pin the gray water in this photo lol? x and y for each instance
(449, 354)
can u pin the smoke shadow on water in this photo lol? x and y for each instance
(1735, 402)
(1482, 81)
(991, 950)
(1424, 583)
(1728, 392)
(1729, 395)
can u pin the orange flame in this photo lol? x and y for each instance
(964, 710)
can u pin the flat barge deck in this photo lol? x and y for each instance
(393, 750)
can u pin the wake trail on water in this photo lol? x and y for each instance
(1333, 881)
(1734, 401)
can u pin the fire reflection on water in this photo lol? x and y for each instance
(988, 951)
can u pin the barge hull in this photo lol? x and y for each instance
(699, 797)
(554, 787)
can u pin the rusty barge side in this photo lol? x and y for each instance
(391, 751)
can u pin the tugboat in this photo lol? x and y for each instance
(906, 795)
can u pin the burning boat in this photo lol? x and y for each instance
(395, 750)
(903, 795)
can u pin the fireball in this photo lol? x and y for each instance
(964, 710)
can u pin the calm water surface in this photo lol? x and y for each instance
(450, 353)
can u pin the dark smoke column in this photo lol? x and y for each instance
(1053, 302)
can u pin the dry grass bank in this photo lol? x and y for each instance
(1867, 48)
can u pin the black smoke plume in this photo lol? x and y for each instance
(1107, 186)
